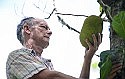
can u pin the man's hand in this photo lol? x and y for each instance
(115, 68)
(89, 54)
(93, 48)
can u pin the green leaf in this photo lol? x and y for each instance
(100, 8)
(118, 24)
(106, 68)
(103, 56)
(94, 65)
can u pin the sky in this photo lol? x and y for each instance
(65, 49)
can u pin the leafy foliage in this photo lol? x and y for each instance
(106, 62)
(118, 24)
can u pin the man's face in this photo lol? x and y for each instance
(41, 33)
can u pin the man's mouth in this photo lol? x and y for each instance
(46, 36)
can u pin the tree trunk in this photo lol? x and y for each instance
(116, 41)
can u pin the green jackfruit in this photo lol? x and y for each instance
(92, 25)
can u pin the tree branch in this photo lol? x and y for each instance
(71, 14)
(51, 13)
(64, 23)
(37, 7)
(106, 9)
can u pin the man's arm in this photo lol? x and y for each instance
(47, 74)
(89, 55)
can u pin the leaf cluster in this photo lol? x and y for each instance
(108, 58)
(118, 24)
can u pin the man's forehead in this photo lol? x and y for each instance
(40, 21)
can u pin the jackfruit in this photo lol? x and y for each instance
(92, 25)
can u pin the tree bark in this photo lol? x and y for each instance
(115, 40)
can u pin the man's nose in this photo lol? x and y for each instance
(49, 32)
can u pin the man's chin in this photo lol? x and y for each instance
(46, 45)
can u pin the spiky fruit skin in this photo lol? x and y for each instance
(92, 25)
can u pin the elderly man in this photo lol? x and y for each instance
(28, 63)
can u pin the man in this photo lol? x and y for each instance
(28, 63)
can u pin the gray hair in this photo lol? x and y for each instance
(28, 21)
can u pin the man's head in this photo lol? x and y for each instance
(34, 29)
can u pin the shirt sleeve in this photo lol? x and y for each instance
(24, 66)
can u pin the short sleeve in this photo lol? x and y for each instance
(24, 65)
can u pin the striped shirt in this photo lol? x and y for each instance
(24, 63)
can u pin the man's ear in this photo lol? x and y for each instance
(26, 29)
